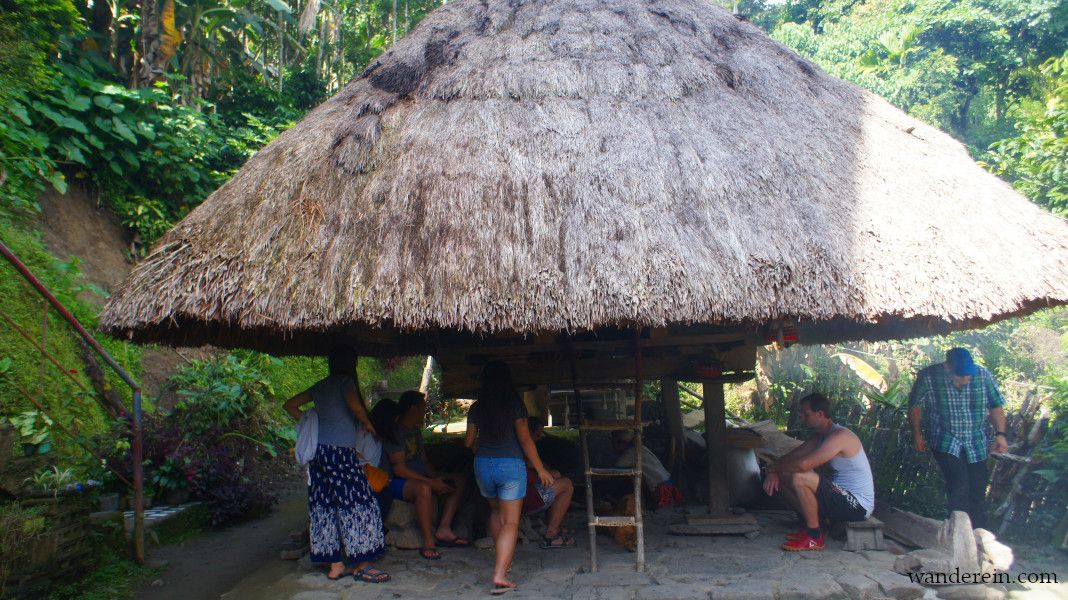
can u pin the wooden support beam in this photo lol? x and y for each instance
(669, 397)
(716, 439)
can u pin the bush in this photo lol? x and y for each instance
(221, 441)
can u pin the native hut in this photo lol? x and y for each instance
(535, 180)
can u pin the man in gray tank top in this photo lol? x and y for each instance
(847, 495)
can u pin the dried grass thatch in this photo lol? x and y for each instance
(543, 165)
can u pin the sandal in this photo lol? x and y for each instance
(430, 553)
(370, 574)
(557, 541)
(456, 542)
(499, 589)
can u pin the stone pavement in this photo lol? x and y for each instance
(678, 568)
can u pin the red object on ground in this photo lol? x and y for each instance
(666, 494)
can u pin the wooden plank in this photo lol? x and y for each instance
(908, 528)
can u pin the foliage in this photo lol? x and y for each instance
(963, 66)
(28, 369)
(33, 426)
(29, 33)
(1036, 159)
(221, 441)
(153, 157)
(52, 479)
(218, 391)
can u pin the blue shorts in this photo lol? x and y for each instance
(502, 478)
(396, 485)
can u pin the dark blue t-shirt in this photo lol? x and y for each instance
(506, 445)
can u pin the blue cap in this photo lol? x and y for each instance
(960, 362)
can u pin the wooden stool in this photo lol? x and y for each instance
(865, 535)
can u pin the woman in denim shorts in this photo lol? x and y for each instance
(498, 423)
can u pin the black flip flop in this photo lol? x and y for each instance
(366, 576)
(425, 553)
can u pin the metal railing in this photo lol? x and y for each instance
(135, 388)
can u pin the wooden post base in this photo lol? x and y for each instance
(716, 524)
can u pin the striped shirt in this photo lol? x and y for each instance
(953, 420)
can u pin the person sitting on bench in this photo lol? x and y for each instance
(847, 495)
(414, 480)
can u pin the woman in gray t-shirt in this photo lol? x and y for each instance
(345, 521)
(498, 423)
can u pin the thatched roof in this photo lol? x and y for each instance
(532, 166)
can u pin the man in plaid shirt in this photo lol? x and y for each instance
(951, 399)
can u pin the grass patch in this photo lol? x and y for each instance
(30, 370)
(114, 576)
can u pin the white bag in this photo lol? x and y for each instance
(368, 447)
(307, 436)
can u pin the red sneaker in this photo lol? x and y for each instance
(797, 535)
(804, 544)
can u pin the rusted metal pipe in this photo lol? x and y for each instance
(138, 458)
(62, 310)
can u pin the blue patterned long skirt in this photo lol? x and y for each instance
(346, 524)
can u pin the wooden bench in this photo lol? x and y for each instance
(865, 535)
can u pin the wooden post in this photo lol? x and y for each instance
(716, 439)
(669, 396)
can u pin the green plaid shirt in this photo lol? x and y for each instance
(953, 420)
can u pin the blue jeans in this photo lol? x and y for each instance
(502, 478)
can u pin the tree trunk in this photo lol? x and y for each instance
(394, 19)
(146, 73)
(281, 51)
(428, 371)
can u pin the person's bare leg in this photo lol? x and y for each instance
(786, 489)
(452, 505)
(419, 494)
(495, 518)
(506, 539)
(564, 490)
(804, 488)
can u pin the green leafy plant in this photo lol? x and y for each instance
(53, 479)
(170, 475)
(33, 426)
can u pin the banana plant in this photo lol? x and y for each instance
(878, 390)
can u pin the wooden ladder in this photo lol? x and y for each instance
(593, 520)
(635, 425)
